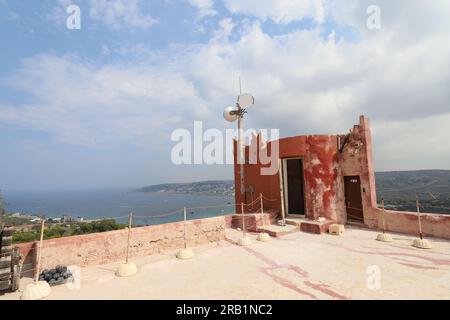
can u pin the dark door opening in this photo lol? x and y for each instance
(353, 198)
(294, 186)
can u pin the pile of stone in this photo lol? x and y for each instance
(56, 276)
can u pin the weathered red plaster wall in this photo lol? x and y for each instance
(268, 185)
(253, 221)
(436, 225)
(28, 251)
(323, 172)
(356, 160)
(105, 247)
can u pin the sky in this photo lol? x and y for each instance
(95, 107)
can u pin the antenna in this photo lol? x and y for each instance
(244, 100)
(232, 114)
(240, 86)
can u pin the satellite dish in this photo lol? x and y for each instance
(245, 100)
(230, 114)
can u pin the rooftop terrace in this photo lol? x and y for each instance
(295, 266)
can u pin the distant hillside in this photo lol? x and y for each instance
(213, 187)
(400, 189)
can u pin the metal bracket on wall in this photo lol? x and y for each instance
(346, 141)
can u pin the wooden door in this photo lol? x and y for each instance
(353, 198)
(294, 183)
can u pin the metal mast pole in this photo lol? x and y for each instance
(241, 150)
(240, 142)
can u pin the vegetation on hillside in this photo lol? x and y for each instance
(58, 231)
(15, 221)
(401, 189)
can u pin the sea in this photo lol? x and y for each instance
(147, 208)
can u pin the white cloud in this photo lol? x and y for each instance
(205, 7)
(303, 83)
(79, 103)
(57, 14)
(114, 14)
(418, 143)
(280, 11)
(117, 14)
(226, 27)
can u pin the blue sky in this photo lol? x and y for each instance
(94, 107)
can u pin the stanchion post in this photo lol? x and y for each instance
(262, 205)
(419, 220)
(37, 289)
(243, 219)
(130, 218)
(185, 253)
(185, 237)
(384, 237)
(244, 241)
(263, 236)
(420, 242)
(262, 209)
(41, 241)
(128, 268)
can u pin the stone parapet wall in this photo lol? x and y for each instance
(105, 247)
(435, 225)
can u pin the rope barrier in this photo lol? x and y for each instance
(268, 199)
(208, 207)
(434, 207)
(357, 209)
(423, 206)
(353, 216)
(159, 216)
(121, 217)
(253, 202)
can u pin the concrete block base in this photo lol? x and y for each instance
(126, 269)
(421, 243)
(244, 241)
(384, 237)
(36, 291)
(336, 229)
(185, 254)
(264, 237)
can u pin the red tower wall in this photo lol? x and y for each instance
(324, 168)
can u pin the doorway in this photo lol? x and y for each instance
(353, 198)
(293, 186)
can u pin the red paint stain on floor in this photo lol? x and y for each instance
(418, 266)
(273, 265)
(288, 284)
(324, 288)
(432, 261)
